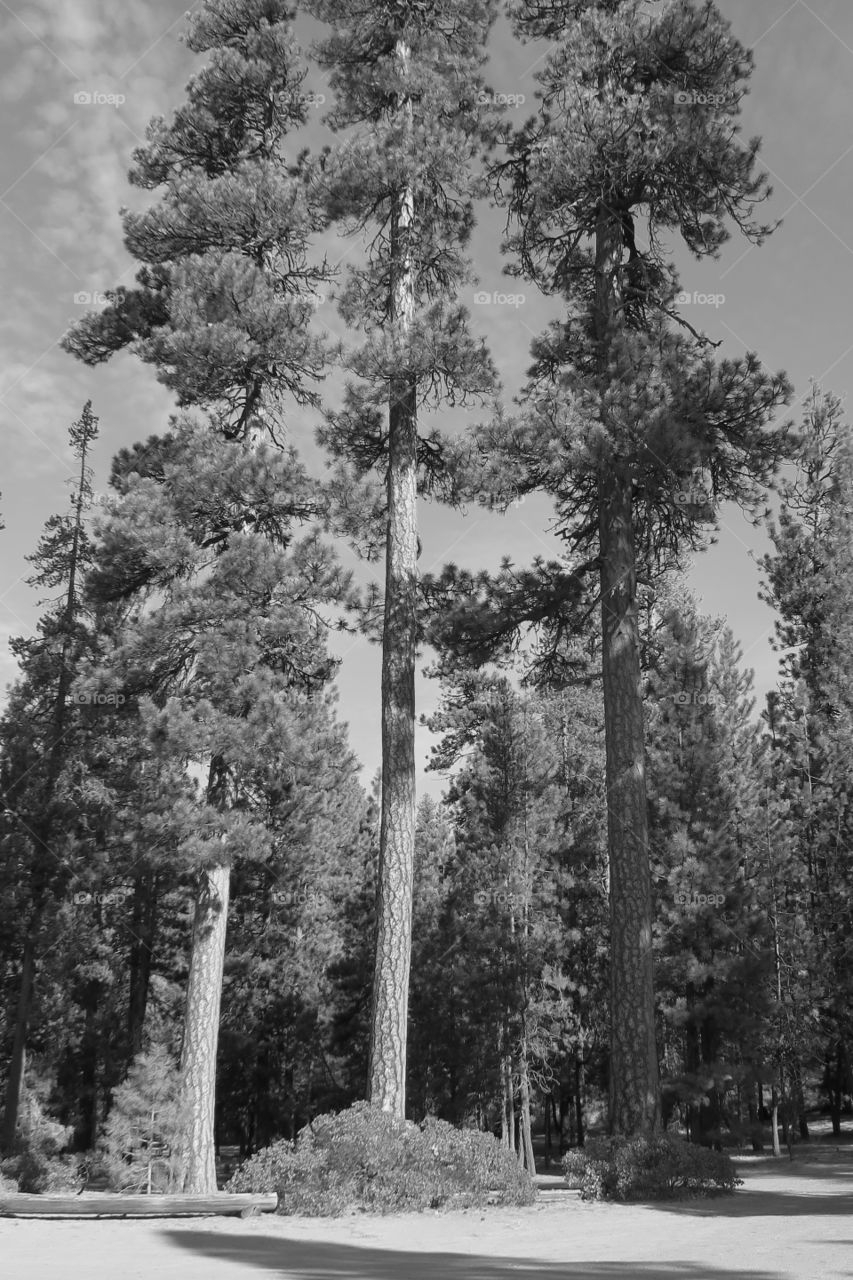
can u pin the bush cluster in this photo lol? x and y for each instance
(365, 1160)
(36, 1165)
(663, 1167)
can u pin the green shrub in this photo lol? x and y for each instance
(363, 1159)
(35, 1165)
(664, 1167)
(139, 1145)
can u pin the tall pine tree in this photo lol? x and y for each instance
(406, 77)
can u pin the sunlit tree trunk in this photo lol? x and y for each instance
(201, 1028)
(387, 1073)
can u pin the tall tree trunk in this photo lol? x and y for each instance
(634, 1081)
(508, 1091)
(579, 1092)
(634, 1087)
(201, 1028)
(143, 928)
(17, 1063)
(524, 1099)
(90, 1052)
(387, 1071)
(774, 1121)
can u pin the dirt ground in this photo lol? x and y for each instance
(791, 1221)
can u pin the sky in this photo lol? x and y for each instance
(79, 79)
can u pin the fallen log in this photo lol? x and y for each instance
(103, 1204)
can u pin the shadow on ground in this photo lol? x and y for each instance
(307, 1260)
(756, 1201)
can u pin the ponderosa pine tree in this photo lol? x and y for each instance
(626, 411)
(406, 77)
(288, 937)
(810, 718)
(706, 819)
(226, 641)
(36, 738)
(516, 897)
(226, 291)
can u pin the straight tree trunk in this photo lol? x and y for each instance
(774, 1121)
(754, 1113)
(579, 1090)
(90, 1052)
(143, 928)
(387, 1070)
(509, 1103)
(634, 1084)
(17, 1064)
(201, 1028)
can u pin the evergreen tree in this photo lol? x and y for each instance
(219, 662)
(406, 78)
(628, 422)
(141, 1140)
(520, 898)
(37, 743)
(706, 790)
(226, 292)
(809, 717)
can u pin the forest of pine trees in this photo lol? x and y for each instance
(631, 909)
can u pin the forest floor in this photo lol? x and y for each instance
(789, 1221)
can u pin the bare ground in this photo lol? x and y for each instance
(790, 1221)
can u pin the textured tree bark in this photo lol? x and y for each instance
(634, 1079)
(524, 1098)
(90, 1056)
(201, 1028)
(143, 928)
(774, 1122)
(579, 1095)
(14, 1083)
(387, 1070)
